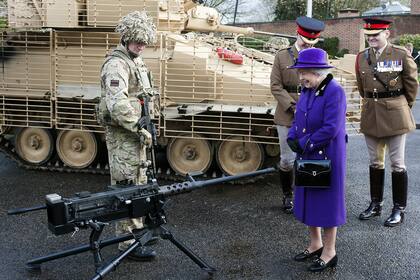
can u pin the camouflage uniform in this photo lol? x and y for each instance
(125, 78)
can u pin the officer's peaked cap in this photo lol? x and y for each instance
(309, 29)
(374, 26)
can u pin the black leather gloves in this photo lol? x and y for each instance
(294, 146)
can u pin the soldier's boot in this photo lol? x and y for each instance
(399, 197)
(286, 181)
(377, 179)
(142, 253)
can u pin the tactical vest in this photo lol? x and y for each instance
(143, 86)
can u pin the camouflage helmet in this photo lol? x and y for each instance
(276, 43)
(137, 27)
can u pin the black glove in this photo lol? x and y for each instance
(294, 146)
(292, 109)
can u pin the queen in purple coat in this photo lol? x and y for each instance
(318, 131)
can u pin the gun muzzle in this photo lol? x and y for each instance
(24, 210)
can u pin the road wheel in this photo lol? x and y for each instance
(77, 149)
(34, 145)
(186, 155)
(235, 156)
(272, 150)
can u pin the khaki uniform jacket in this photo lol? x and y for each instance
(382, 117)
(283, 80)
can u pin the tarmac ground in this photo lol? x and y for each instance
(238, 229)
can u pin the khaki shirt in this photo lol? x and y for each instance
(382, 117)
(283, 80)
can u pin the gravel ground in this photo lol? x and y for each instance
(238, 229)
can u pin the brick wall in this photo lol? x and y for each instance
(415, 7)
(346, 29)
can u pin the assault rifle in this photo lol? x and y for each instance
(92, 211)
(147, 123)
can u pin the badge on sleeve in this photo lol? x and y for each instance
(115, 83)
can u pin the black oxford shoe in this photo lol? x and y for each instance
(320, 265)
(142, 254)
(306, 255)
(373, 210)
(396, 218)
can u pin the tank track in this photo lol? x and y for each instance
(56, 165)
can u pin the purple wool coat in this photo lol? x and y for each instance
(319, 126)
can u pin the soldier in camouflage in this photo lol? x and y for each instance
(126, 83)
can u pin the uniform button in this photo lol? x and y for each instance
(320, 152)
(312, 145)
(304, 130)
(374, 79)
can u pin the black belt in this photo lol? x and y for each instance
(386, 94)
(292, 89)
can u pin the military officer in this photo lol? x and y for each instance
(387, 82)
(125, 83)
(285, 88)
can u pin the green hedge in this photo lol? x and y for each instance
(410, 38)
(330, 45)
(3, 22)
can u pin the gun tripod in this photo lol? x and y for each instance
(95, 245)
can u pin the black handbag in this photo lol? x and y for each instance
(313, 173)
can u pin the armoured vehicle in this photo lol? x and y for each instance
(215, 112)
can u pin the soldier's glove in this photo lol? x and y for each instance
(145, 137)
(151, 92)
(294, 146)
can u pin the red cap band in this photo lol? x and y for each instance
(311, 35)
(376, 25)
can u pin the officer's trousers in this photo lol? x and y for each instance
(396, 147)
(287, 156)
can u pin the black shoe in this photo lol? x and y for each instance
(142, 254)
(306, 255)
(396, 218)
(320, 265)
(374, 209)
(288, 204)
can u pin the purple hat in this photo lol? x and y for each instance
(312, 58)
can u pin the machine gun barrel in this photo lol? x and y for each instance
(24, 210)
(177, 188)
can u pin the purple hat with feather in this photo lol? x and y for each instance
(312, 58)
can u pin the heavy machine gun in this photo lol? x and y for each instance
(92, 211)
